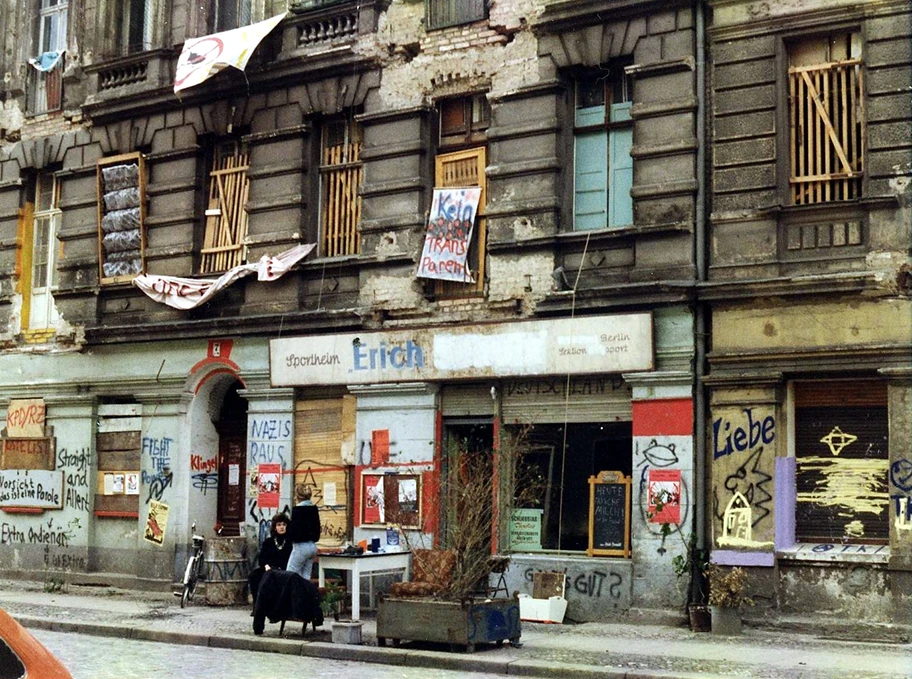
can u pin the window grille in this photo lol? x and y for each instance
(226, 216)
(340, 179)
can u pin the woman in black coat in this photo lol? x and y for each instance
(273, 554)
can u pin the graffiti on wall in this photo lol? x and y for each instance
(901, 493)
(76, 464)
(595, 583)
(269, 440)
(743, 454)
(657, 460)
(47, 532)
(158, 452)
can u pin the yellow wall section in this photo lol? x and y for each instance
(812, 326)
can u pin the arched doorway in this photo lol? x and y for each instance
(232, 453)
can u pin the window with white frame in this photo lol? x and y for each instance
(42, 254)
(602, 139)
(52, 26)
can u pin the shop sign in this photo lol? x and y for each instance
(526, 529)
(587, 345)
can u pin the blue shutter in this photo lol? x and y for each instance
(620, 141)
(590, 173)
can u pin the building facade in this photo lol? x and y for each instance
(808, 287)
(590, 303)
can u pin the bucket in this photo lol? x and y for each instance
(226, 571)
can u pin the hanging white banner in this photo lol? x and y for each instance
(187, 293)
(203, 57)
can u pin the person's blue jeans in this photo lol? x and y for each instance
(302, 558)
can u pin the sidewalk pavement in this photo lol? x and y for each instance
(809, 649)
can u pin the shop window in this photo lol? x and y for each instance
(226, 215)
(443, 13)
(340, 179)
(118, 442)
(826, 119)
(45, 84)
(463, 122)
(557, 462)
(121, 217)
(602, 139)
(231, 14)
(841, 451)
(39, 253)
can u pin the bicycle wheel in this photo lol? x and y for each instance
(189, 581)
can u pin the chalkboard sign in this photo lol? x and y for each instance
(609, 514)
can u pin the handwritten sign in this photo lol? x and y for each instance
(609, 514)
(25, 418)
(449, 233)
(27, 453)
(525, 529)
(31, 488)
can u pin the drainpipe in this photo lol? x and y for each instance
(700, 406)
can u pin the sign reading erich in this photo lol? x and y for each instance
(587, 345)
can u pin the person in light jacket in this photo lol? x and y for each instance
(305, 533)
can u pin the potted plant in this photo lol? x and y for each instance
(726, 596)
(332, 600)
(448, 600)
(692, 563)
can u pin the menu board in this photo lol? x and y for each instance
(609, 514)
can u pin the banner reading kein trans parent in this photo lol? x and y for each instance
(449, 234)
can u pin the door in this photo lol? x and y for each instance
(232, 430)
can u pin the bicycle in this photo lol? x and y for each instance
(194, 567)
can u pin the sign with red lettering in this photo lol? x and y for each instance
(27, 453)
(449, 233)
(25, 418)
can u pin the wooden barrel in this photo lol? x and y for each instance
(226, 571)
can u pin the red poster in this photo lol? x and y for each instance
(372, 499)
(269, 482)
(664, 489)
(380, 446)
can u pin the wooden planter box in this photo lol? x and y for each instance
(448, 622)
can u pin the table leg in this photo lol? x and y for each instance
(321, 577)
(356, 593)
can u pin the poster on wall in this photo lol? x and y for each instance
(132, 483)
(156, 522)
(372, 509)
(665, 492)
(449, 234)
(269, 481)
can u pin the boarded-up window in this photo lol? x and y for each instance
(826, 119)
(462, 169)
(603, 137)
(841, 450)
(121, 217)
(226, 214)
(340, 179)
(323, 429)
(119, 443)
(442, 13)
